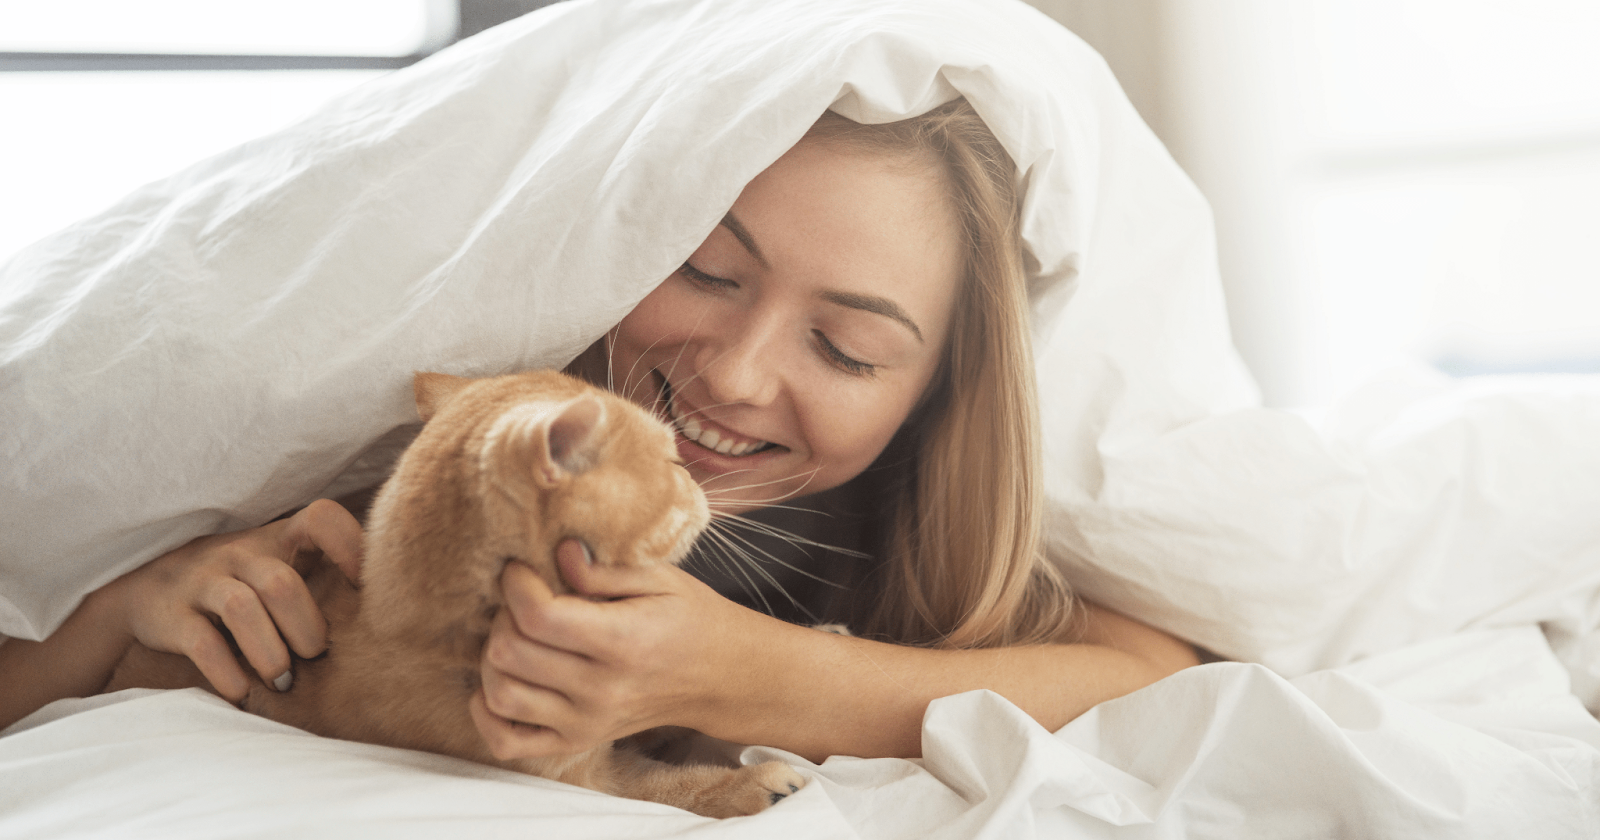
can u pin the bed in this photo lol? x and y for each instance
(1475, 735)
(1403, 591)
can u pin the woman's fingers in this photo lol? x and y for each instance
(288, 601)
(248, 582)
(598, 580)
(326, 526)
(522, 720)
(204, 645)
(508, 651)
(590, 623)
(528, 681)
(241, 611)
(535, 612)
(513, 699)
(509, 739)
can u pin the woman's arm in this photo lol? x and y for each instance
(75, 661)
(174, 603)
(850, 696)
(674, 652)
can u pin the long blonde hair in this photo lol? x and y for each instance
(962, 563)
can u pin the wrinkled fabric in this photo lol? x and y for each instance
(228, 343)
(220, 346)
(1471, 736)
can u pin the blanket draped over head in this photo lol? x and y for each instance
(225, 344)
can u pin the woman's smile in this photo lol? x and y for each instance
(794, 342)
(699, 436)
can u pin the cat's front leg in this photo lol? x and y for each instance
(707, 790)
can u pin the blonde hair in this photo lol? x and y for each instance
(962, 563)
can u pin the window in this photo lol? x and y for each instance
(1393, 180)
(101, 96)
(1452, 182)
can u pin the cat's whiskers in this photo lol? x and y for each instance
(717, 495)
(732, 520)
(809, 474)
(739, 563)
(703, 457)
(745, 562)
(627, 381)
(672, 369)
(774, 506)
(611, 349)
(730, 536)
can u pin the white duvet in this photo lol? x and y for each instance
(237, 339)
(1474, 736)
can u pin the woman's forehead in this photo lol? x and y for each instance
(857, 223)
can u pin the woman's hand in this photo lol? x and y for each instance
(246, 581)
(633, 649)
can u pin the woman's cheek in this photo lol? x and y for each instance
(658, 319)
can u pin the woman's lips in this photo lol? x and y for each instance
(708, 435)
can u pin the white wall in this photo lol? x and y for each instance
(1394, 180)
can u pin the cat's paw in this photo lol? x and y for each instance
(751, 790)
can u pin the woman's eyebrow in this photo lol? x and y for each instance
(874, 304)
(744, 237)
(866, 303)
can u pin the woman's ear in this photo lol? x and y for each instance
(432, 390)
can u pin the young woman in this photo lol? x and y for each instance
(862, 302)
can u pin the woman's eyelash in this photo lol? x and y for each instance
(705, 279)
(855, 367)
(837, 357)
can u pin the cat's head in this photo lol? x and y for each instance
(507, 468)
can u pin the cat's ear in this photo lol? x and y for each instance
(572, 440)
(433, 389)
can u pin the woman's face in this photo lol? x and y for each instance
(794, 342)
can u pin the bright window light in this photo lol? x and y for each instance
(1445, 188)
(1489, 273)
(76, 142)
(229, 27)
(1454, 70)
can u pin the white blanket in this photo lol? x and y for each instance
(1470, 737)
(224, 344)
(227, 343)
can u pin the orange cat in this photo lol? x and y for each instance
(503, 470)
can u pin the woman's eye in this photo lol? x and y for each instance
(854, 367)
(701, 278)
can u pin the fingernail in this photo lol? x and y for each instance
(588, 556)
(284, 680)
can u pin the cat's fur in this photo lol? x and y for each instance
(503, 470)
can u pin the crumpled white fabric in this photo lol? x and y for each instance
(1470, 736)
(224, 344)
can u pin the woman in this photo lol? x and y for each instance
(864, 294)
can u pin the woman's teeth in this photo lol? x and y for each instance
(710, 438)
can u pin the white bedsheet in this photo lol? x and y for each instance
(227, 343)
(1473, 736)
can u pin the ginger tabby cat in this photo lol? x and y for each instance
(503, 470)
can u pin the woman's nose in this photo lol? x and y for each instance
(743, 367)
